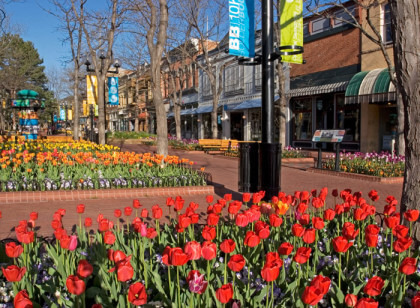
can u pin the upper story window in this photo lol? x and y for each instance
(206, 85)
(320, 25)
(343, 17)
(234, 78)
(258, 75)
(306, 29)
(386, 23)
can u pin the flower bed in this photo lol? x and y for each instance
(292, 252)
(381, 165)
(287, 152)
(184, 144)
(84, 165)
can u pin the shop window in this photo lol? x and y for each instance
(348, 118)
(302, 119)
(386, 24)
(234, 78)
(257, 76)
(206, 85)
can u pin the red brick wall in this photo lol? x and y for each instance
(334, 51)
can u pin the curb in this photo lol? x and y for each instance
(363, 177)
(74, 195)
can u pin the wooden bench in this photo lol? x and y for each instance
(210, 144)
(228, 145)
(60, 138)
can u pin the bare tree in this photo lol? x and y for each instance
(99, 29)
(370, 29)
(155, 17)
(405, 21)
(70, 25)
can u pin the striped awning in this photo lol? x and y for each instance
(325, 88)
(370, 87)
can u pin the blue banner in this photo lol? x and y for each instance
(62, 114)
(113, 91)
(241, 30)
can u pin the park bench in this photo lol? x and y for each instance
(228, 145)
(210, 144)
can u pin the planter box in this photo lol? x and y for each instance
(303, 160)
(364, 177)
(119, 142)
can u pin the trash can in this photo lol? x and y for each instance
(270, 169)
(248, 167)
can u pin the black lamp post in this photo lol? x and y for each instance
(91, 111)
(102, 56)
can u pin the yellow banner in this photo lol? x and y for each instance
(92, 89)
(70, 114)
(85, 108)
(291, 22)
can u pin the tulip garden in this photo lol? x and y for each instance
(324, 249)
(40, 166)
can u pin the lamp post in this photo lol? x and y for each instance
(102, 55)
(91, 121)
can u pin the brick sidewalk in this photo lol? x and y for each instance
(224, 172)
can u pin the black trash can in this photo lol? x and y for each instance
(270, 169)
(248, 167)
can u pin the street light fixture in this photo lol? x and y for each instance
(102, 55)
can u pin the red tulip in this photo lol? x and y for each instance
(373, 195)
(177, 257)
(371, 235)
(208, 250)
(109, 238)
(193, 250)
(402, 244)
(144, 213)
(262, 229)
(208, 233)
(309, 236)
(318, 223)
(400, 231)
(415, 301)
(374, 286)
(127, 211)
(184, 221)
(105, 225)
(312, 295)
(349, 231)
(302, 255)
(298, 230)
(84, 269)
(275, 220)
(179, 204)
(350, 300)
(392, 221)
(75, 285)
(88, 222)
(251, 239)
(228, 246)
(196, 282)
(13, 250)
(157, 211)
(329, 214)
(234, 207)
(124, 268)
(22, 300)
(411, 215)
(170, 201)
(246, 197)
(13, 273)
(80, 209)
(285, 249)
(117, 213)
(241, 220)
(271, 270)
(212, 219)
(34, 215)
(137, 294)
(209, 198)
(322, 283)
(408, 266)
(367, 303)
(341, 244)
(359, 214)
(55, 224)
(224, 293)
(236, 263)
(136, 203)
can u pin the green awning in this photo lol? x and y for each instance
(354, 84)
(27, 94)
(382, 82)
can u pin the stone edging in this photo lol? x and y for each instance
(370, 178)
(298, 160)
(73, 195)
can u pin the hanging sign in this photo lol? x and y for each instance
(241, 30)
(92, 89)
(62, 114)
(291, 22)
(113, 91)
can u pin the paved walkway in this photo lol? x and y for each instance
(224, 172)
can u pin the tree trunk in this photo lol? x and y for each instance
(177, 117)
(400, 128)
(406, 26)
(214, 131)
(101, 108)
(76, 106)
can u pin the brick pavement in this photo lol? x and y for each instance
(224, 172)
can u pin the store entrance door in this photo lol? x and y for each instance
(236, 126)
(324, 107)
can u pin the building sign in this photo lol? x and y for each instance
(291, 22)
(328, 135)
(113, 91)
(92, 89)
(241, 30)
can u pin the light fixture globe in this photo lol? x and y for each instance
(117, 63)
(101, 54)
